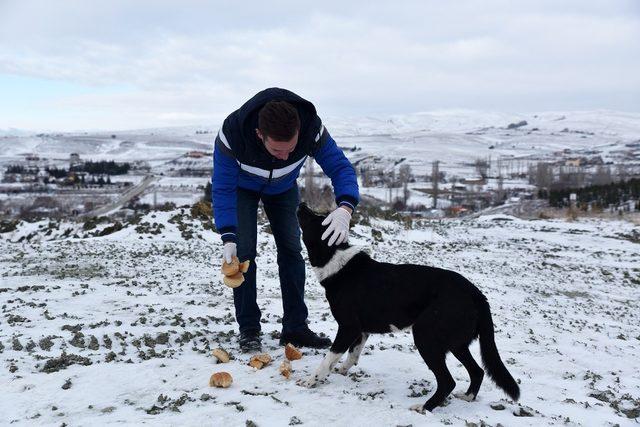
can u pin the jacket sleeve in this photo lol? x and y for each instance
(224, 189)
(337, 167)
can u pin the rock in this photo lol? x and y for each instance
(521, 412)
(77, 340)
(17, 345)
(46, 343)
(63, 362)
(93, 343)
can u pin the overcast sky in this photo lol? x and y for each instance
(69, 65)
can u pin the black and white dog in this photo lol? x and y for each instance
(445, 311)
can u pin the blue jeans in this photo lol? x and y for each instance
(281, 211)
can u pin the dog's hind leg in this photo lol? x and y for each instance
(354, 354)
(476, 374)
(433, 351)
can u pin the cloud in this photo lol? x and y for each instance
(203, 59)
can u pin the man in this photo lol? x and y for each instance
(258, 155)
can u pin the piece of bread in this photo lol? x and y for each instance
(259, 361)
(255, 363)
(285, 369)
(244, 266)
(292, 353)
(221, 355)
(220, 379)
(231, 269)
(233, 281)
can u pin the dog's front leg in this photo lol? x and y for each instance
(344, 338)
(323, 370)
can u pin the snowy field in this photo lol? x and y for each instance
(119, 328)
(455, 138)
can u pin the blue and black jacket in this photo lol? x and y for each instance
(241, 160)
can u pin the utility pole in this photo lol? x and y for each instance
(434, 179)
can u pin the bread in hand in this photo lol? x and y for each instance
(233, 281)
(232, 268)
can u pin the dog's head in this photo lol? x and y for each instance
(311, 225)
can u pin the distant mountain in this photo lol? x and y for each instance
(15, 132)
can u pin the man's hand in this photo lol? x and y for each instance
(338, 226)
(230, 250)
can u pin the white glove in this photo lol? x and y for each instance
(338, 226)
(230, 250)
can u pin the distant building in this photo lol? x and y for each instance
(74, 161)
(580, 161)
(597, 160)
(474, 184)
(32, 157)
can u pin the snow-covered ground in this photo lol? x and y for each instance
(119, 328)
(455, 138)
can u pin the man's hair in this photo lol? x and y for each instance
(278, 120)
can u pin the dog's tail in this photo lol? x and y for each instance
(490, 357)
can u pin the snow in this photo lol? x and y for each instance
(564, 298)
(455, 138)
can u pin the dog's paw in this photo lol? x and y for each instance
(342, 370)
(419, 408)
(464, 396)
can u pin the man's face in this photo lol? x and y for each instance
(279, 149)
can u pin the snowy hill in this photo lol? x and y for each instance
(453, 137)
(107, 323)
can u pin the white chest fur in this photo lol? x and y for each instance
(337, 261)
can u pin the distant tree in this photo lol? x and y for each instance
(600, 196)
(207, 192)
(543, 175)
(104, 167)
(14, 169)
(312, 192)
(57, 173)
(482, 167)
(602, 176)
(404, 175)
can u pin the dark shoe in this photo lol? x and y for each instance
(250, 341)
(305, 338)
